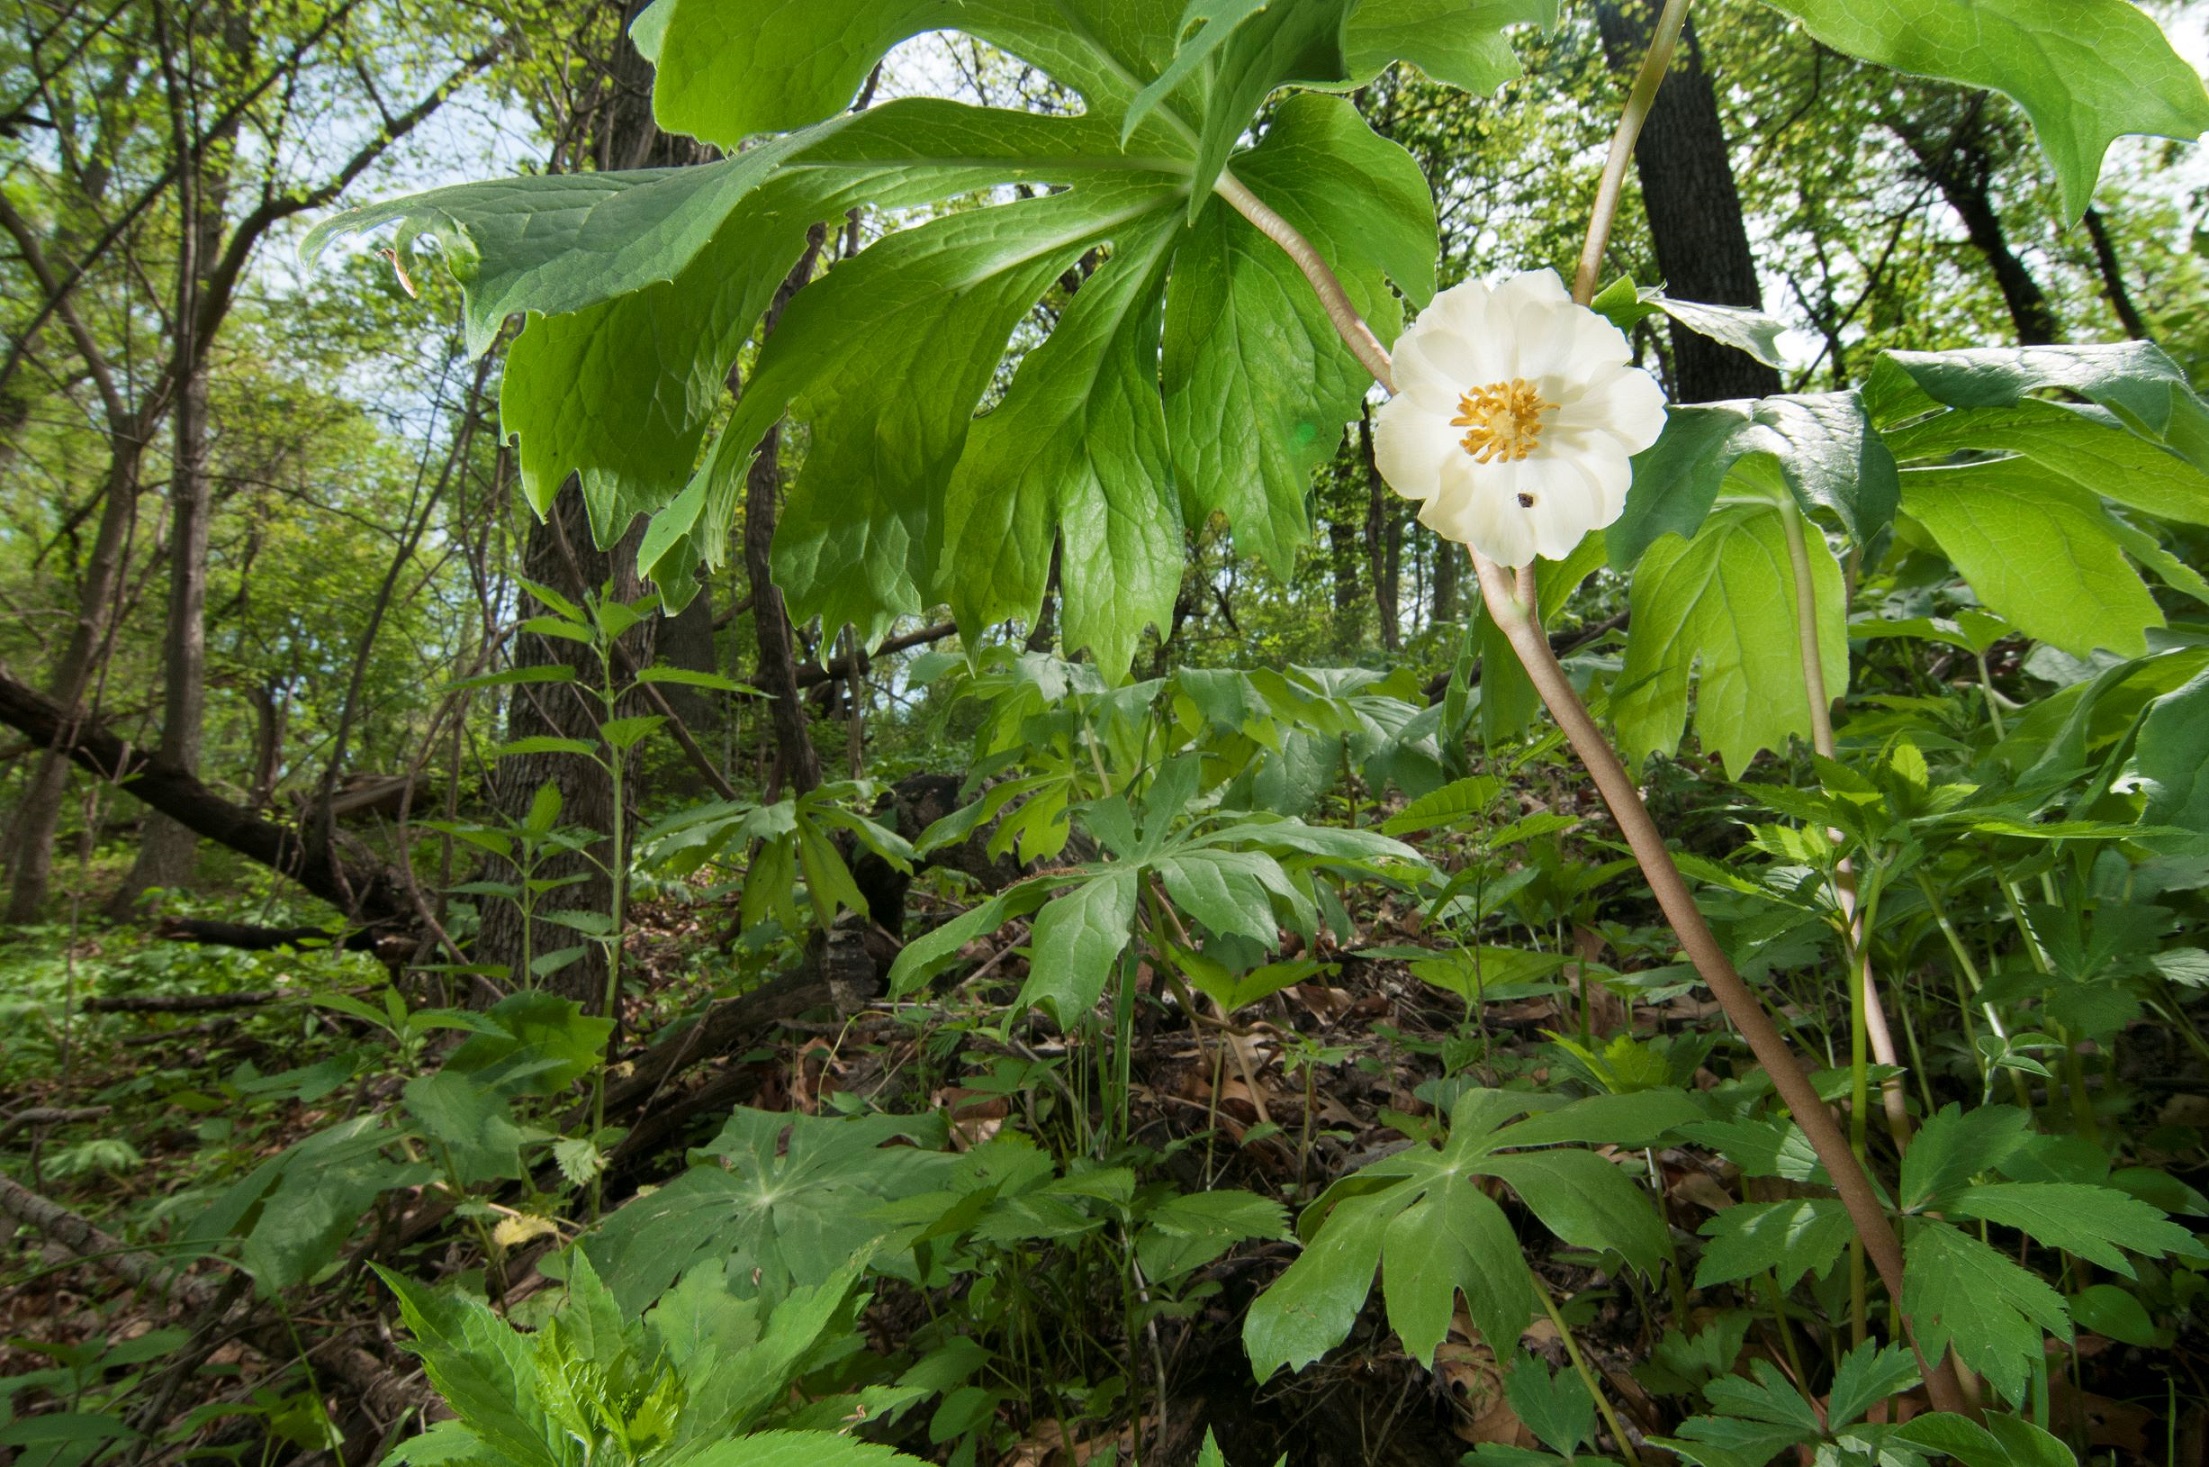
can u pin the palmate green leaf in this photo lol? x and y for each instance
(796, 1210)
(1257, 382)
(2085, 71)
(1457, 42)
(2039, 551)
(885, 359)
(2135, 380)
(1421, 1218)
(1310, 1308)
(1721, 609)
(1807, 1235)
(1080, 440)
(1961, 1294)
(1586, 1201)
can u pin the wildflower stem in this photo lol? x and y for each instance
(1326, 284)
(1856, 928)
(1636, 112)
(1511, 601)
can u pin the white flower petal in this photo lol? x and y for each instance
(1479, 507)
(1411, 447)
(1420, 379)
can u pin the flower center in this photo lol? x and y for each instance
(1502, 420)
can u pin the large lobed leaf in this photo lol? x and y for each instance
(1192, 372)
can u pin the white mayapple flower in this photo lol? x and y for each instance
(1514, 418)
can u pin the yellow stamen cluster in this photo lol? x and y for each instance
(1503, 420)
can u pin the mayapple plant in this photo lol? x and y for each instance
(1255, 247)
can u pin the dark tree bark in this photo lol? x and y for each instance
(686, 641)
(1448, 559)
(2113, 278)
(31, 842)
(559, 554)
(1694, 209)
(1949, 137)
(203, 191)
(797, 764)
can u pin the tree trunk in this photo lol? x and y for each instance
(797, 766)
(559, 554)
(32, 843)
(1687, 189)
(364, 892)
(686, 641)
(165, 858)
(1447, 561)
(1384, 537)
(2113, 278)
(271, 717)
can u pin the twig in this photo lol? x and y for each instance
(50, 1115)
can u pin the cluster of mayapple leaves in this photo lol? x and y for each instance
(1192, 373)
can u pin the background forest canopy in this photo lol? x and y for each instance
(816, 801)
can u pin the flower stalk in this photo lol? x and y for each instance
(1512, 601)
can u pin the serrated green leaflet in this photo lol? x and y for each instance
(2085, 71)
(1961, 1294)
(1807, 1235)
(2093, 1222)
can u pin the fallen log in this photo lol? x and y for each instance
(184, 1003)
(251, 938)
(372, 895)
